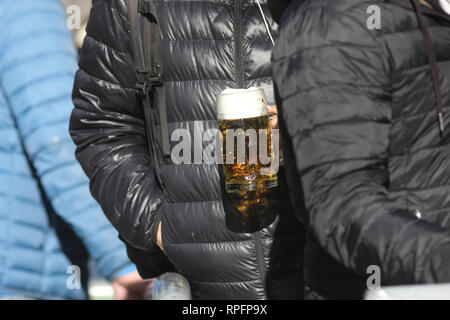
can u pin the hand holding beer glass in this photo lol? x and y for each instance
(249, 147)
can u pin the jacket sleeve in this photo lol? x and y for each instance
(337, 108)
(108, 128)
(38, 63)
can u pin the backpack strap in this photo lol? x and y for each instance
(425, 28)
(147, 52)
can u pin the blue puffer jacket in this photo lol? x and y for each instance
(37, 67)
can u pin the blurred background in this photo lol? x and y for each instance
(99, 288)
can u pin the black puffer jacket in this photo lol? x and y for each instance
(361, 114)
(208, 46)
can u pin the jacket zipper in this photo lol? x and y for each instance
(240, 81)
(238, 46)
(262, 263)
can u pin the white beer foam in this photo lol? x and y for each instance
(235, 104)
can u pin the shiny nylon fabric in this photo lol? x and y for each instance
(372, 164)
(107, 126)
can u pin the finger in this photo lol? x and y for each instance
(159, 238)
(272, 109)
(274, 122)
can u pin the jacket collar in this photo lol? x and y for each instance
(277, 7)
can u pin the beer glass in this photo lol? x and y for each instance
(247, 147)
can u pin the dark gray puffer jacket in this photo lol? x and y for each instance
(360, 111)
(208, 46)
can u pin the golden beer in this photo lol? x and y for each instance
(247, 148)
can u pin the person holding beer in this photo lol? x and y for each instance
(364, 110)
(185, 209)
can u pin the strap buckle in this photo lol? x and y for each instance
(147, 80)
